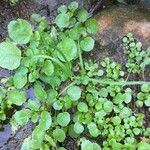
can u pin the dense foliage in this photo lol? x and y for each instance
(90, 104)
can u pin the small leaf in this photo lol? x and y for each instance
(50, 140)
(10, 56)
(39, 91)
(74, 92)
(45, 121)
(93, 129)
(63, 119)
(73, 6)
(20, 31)
(82, 107)
(57, 105)
(82, 15)
(22, 116)
(59, 135)
(20, 77)
(26, 144)
(78, 128)
(62, 20)
(125, 112)
(91, 25)
(62, 9)
(87, 44)
(108, 106)
(48, 68)
(16, 97)
(33, 105)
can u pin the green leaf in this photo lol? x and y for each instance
(73, 33)
(74, 92)
(82, 15)
(59, 135)
(103, 92)
(93, 129)
(39, 91)
(73, 6)
(91, 25)
(16, 97)
(116, 120)
(22, 116)
(62, 9)
(78, 128)
(26, 144)
(63, 119)
(67, 48)
(45, 121)
(57, 105)
(62, 20)
(10, 56)
(147, 102)
(20, 31)
(33, 105)
(50, 140)
(48, 68)
(86, 145)
(82, 107)
(108, 106)
(20, 77)
(125, 112)
(87, 44)
(37, 137)
(143, 146)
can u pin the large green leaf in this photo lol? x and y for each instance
(16, 97)
(67, 48)
(10, 56)
(20, 31)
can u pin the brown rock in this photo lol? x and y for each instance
(116, 21)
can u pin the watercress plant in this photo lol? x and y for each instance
(90, 104)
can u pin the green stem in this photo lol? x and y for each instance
(81, 59)
(65, 89)
(123, 83)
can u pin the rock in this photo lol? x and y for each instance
(145, 4)
(117, 21)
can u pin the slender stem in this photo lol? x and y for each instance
(65, 89)
(80, 58)
(123, 83)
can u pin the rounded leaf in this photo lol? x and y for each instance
(22, 117)
(82, 107)
(91, 25)
(16, 97)
(87, 44)
(63, 119)
(68, 49)
(20, 31)
(10, 56)
(74, 92)
(62, 20)
(82, 15)
(78, 128)
(59, 135)
(108, 106)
